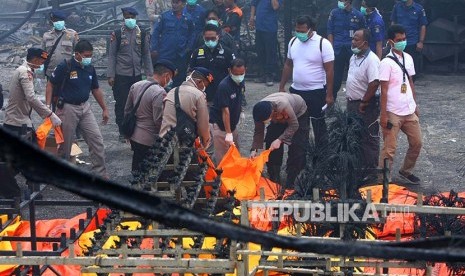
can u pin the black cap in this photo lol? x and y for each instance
(59, 14)
(168, 64)
(206, 73)
(130, 10)
(36, 52)
(262, 111)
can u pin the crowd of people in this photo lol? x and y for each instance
(186, 74)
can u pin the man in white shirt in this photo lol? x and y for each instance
(399, 110)
(310, 60)
(362, 83)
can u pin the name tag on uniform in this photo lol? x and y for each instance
(73, 75)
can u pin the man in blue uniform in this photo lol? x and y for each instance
(213, 56)
(78, 78)
(412, 16)
(197, 14)
(173, 38)
(342, 23)
(375, 25)
(266, 36)
(226, 111)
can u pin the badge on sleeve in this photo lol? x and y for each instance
(201, 52)
(73, 75)
(377, 29)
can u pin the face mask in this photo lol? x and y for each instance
(355, 50)
(238, 78)
(302, 36)
(130, 23)
(341, 5)
(214, 22)
(400, 46)
(191, 2)
(405, 1)
(211, 43)
(363, 10)
(40, 69)
(189, 78)
(169, 84)
(86, 61)
(59, 25)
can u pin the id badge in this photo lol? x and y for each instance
(403, 88)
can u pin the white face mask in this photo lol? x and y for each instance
(190, 78)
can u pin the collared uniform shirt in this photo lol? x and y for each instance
(266, 18)
(287, 108)
(173, 37)
(229, 94)
(342, 24)
(412, 18)
(198, 14)
(127, 58)
(22, 99)
(64, 49)
(79, 81)
(375, 24)
(192, 102)
(308, 61)
(362, 70)
(217, 60)
(401, 104)
(149, 113)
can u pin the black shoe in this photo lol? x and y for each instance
(410, 178)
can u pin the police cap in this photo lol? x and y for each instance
(206, 73)
(129, 10)
(59, 14)
(166, 63)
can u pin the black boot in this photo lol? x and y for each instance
(274, 173)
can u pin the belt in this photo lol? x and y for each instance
(75, 102)
(353, 100)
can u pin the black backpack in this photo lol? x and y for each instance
(186, 127)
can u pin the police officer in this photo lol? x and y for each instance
(22, 97)
(59, 42)
(375, 24)
(213, 56)
(129, 50)
(412, 16)
(226, 111)
(342, 23)
(173, 38)
(197, 14)
(79, 78)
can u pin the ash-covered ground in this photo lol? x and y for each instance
(441, 99)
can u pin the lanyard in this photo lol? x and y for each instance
(398, 62)
(367, 52)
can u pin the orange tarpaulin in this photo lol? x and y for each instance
(241, 174)
(44, 129)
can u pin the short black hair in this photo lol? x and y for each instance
(366, 34)
(371, 3)
(211, 27)
(307, 20)
(262, 111)
(215, 11)
(160, 69)
(83, 46)
(237, 62)
(395, 29)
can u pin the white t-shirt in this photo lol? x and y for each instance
(362, 71)
(308, 72)
(401, 104)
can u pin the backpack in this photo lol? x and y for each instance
(129, 121)
(321, 43)
(186, 127)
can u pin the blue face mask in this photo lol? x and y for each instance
(211, 43)
(40, 69)
(214, 22)
(86, 61)
(302, 36)
(191, 2)
(400, 46)
(59, 25)
(355, 50)
(238, 78)
(130, 23)
(363, 10)
(341, 5)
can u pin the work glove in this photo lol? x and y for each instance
(275, 145)
(253, 153)
(229, 138)
(55, 120)
(242, 119)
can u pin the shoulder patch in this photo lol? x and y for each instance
(201, 52)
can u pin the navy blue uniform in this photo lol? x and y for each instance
(342, 24)
(266, 38)
(173, 38)
(198, 14)
(217, 60)
(376, 25)
(229, 94)
(79, 81)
